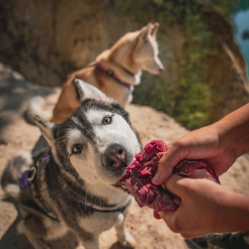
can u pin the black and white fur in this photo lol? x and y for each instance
(89, 153)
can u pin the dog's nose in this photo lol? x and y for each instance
(116, 156)
(161, 69)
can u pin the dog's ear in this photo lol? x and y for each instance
(144, 32)
(149, 30)
(154, 29)
(46, 129)
(87, 91)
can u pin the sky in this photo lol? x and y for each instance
(241, 21)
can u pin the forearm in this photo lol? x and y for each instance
(234, 131)
(233, 213)
(220, 144)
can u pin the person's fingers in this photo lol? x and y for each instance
(169, 218)
(193, 235)
(174, 184)
(156, 215)
(167, 163)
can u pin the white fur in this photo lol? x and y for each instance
(12, 190)
(35, 107)
(27, 156)
(137, 79)
(92, 92)
(118, 131)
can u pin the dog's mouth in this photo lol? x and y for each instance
(122, 187)
(115, 160)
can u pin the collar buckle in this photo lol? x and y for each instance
(27, 177)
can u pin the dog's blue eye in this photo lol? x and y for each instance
(77, 148)
(106, 120)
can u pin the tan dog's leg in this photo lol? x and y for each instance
(91, 244)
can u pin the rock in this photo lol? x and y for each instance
(46, 41)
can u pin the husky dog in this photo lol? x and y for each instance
(115, 72)
(74, 184)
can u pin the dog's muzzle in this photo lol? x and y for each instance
(115, 157)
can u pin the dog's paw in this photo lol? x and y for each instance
(127, 241)
(80, 247)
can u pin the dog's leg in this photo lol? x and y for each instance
(124, 237)
(35, 242)
(39, 228)
(38, 243)
(91, 244)
(80, 247)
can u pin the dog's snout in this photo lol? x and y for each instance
(115, 156)
(121, 154)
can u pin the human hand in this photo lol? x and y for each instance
(206, 143)
(220, 144)
(206, 207)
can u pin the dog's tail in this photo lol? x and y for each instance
(13, 173)
(36, 107)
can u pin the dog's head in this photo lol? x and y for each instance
(97, 141)
(146, 51)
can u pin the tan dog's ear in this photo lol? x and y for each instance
(154, 29)
(87, 91)
(144, 32)
(46, 129)
(150, 29)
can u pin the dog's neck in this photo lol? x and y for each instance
(77, 188)
(126, 69)
(128, 72)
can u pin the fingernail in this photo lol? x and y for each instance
(156, 215)
(156, 179)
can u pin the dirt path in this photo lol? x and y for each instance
(16, 134)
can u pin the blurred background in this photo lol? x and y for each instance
(203, 44)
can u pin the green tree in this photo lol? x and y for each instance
(186, 97)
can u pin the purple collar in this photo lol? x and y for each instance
(112, 74)
(30, 175)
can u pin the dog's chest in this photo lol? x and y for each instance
(99, 222)
(117, 92)
(107, 215)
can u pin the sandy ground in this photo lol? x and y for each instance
(16, 134)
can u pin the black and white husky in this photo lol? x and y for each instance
(73, 185)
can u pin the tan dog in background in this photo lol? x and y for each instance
(115, 71)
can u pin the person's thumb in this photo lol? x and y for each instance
(173, 184)
(166, 164)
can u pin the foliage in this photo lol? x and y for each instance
(229, 7)
(186, 97)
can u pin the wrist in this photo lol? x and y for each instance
(233, 212)
(227, 141)
(233, 131)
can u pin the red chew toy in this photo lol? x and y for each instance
(138, 176)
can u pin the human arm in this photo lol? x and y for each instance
(206, 207)
(220, 144)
